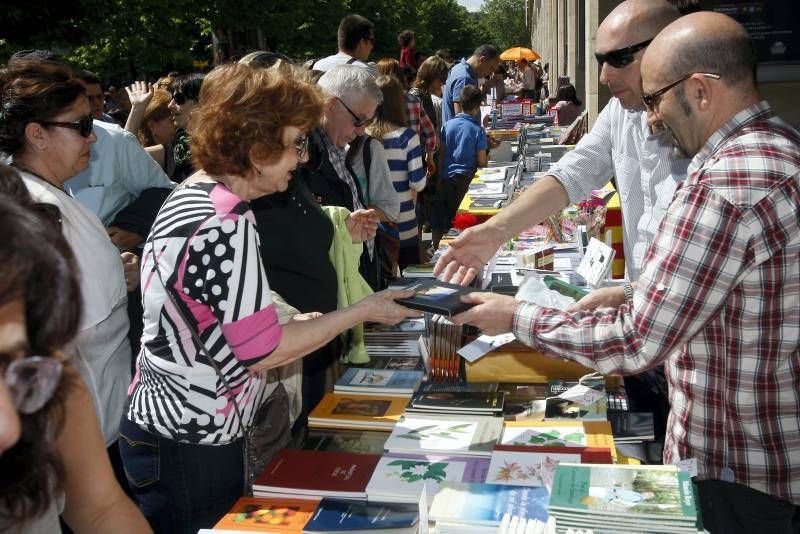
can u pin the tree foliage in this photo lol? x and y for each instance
(504, 20)
(124, 39)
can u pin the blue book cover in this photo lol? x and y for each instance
(334, 515)
(485, 504)
(379, 379)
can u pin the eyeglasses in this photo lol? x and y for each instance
(651, 100)
(621, 57)
(32, 382)
(84, 125)
(301, 145)
(358, 122)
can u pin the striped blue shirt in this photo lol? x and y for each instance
(404, 155)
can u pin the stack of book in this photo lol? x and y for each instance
(360, 412)
(305, 474)
(517, 465)
(389, 382)
(645, 498)
(334, 515)
(465, 507)
(256, 514)
(401, 477)
(559, 434)
(462, 435)
(342, 440)
(456, 402)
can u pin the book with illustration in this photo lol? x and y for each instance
(536, 466)
(434, 296)
(632, 496)
(366, 381)
(258, 514)
(334, 515)
(470, 435)
(368, 412)
(581, 401)
(559, 434)
(300, 473)
(400, 477)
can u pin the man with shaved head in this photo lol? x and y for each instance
(620, 145)
(718, 300)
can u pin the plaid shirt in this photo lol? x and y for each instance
(718, 302)
(418, 121)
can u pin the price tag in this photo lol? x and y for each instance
(581, 394)
(689, 465)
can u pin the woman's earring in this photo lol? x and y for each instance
(258, 171)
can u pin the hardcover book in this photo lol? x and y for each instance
(434, 296)
(559, 434)
(346, 516)
(459, 401)
(485, 504)
(470, 435)
(317, 474)
(258, 514)
(378, 381)
(369, 412)
(400, 477)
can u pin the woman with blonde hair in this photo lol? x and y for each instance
(211, 330)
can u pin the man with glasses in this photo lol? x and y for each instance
(356, 39)
(620, 145)
(718, 301)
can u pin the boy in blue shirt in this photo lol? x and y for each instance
(465, 149)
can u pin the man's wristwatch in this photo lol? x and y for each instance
(627, 288)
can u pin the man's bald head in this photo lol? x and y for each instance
(634, 21)
(704, 42)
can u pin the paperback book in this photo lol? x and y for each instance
(391, 382)
(342, 440)
(467, 435)
(368, 412)
(629, 495)
(536, 466)
(434, 296)
(447, 402)
(258, 514)
(400, 477)
(559, 434)
(334, 515)
(312, 474)
(581, 401)
(403, 363)
(473, 504)
(631, 427)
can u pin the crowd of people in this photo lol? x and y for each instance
(175, 263)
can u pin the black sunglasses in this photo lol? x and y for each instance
(622, 57)
(358, 122)
(84, 125)
(651, 99)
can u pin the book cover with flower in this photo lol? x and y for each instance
(559, 434)
(473, 435)
(400, 477)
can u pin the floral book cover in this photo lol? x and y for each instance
(475, 435)
(559, 434)
(268, 515)
(400, 477)
(529, 466)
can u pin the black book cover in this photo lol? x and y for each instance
(472, 401)
(434, 296)
(631, 426)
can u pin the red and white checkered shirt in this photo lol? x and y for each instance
(419, 121)
(718, 303)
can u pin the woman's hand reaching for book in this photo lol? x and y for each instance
(381, 307)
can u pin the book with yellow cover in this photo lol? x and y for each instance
(559, 434)
(256, 514)
(370, 412)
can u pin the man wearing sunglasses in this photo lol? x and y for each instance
(356, 39)
(620, 145)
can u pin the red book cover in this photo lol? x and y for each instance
(323, 473)
(589, 455)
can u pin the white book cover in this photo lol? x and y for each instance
(474, 435)
(515, 468)
(545, 436)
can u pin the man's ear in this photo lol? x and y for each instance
(701, 90)
(36, 136)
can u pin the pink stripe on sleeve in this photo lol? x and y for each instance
(255, 336)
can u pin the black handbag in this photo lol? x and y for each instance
(270, 430)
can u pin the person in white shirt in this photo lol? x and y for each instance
(356, 39)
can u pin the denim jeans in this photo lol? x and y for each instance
(180, 487)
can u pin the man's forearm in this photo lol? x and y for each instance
(539, 201)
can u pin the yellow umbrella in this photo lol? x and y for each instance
(519, 52)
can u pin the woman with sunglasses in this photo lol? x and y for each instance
(46, 128)
(211, 330)
(51, 450)
(185, 97)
